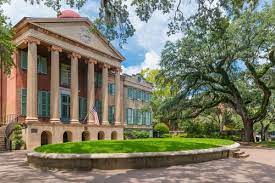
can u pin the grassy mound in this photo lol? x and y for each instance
(130, 146)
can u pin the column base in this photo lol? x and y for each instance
(31, 119)
(105, 123)
(117, 123)
(91, 122)
(55, 120)
(74, 121)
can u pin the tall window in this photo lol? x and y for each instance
(65, 75)
(98, 108)
(111, 115)
(129, 116)
(41, 62)
(43, 104)
(98, 79)
(82, 108)
(111, 88)
(130, 93)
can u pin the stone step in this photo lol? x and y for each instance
(240, 155)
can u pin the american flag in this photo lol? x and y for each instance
(93, 111)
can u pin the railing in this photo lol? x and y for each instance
(11, 122)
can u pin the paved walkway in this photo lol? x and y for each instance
(259, 167)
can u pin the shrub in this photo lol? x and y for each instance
(160, 129)
(134, 134)
(167, 136)
(17, 137)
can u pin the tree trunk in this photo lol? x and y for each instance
(262, 131)
(248, 131)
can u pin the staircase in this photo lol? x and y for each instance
(2, 138)
(237, 153)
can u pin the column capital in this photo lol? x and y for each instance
(74, 55)
(55, 48)
(91, 61)
(106, 66)
(118, 69)
(31, 40)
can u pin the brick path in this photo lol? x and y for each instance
(259, 167)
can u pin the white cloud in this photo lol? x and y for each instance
(17, 9)
(151, 61)
(152, 35)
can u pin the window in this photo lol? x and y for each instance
(98, 79)
(148, 118)
(144, 118)
(65, 75)
(98, 108)
(139, 117)
(138, 94)
(24, 59)
(42, 65)
(129, 116)
(82, 108)
(23, 101)
(130, 93)
(111, 88)
(43, 104)
(111, 114)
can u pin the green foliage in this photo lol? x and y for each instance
(162, 128)
(219, 60)
(198, 127)
(167, 136)
(130, 146)
(136, 134)
(6, 45)
(17, 137)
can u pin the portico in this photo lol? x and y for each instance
(63, 71)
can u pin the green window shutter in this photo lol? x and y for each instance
(130, 93)
(48, 104)
(23, 101)
(24, 59)
(44, 104)
(40, 103)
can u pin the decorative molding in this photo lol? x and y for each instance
(32, 40)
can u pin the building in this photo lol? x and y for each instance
(61, 71)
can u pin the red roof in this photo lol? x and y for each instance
(68, 14)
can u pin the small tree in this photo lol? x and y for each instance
(17, 137)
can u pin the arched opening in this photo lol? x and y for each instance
(46, 138)
(114, 135)
(85, 136)
(100, 135)
(67, 136)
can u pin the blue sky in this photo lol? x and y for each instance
(143, 49)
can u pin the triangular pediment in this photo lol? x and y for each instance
(80, 32)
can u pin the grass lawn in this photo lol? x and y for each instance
(139, 145)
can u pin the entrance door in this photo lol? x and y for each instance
(65, 108)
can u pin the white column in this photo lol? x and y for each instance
(91, 90)
(74, 88)
(55, 93)
(105, 94)
(117, 97)
(32, 80)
